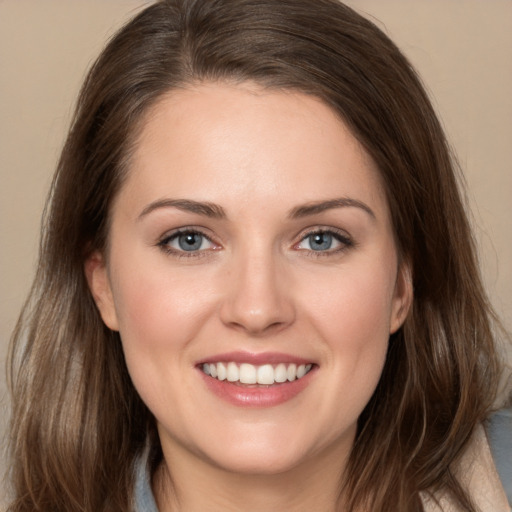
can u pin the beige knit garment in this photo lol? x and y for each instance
(478, 473)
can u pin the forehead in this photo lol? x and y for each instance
(220, 141)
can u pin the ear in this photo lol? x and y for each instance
(402, 298)
(99, 283)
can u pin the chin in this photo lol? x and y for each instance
(262, 463)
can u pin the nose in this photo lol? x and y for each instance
(258, 299)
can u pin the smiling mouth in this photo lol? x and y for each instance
(249, 374)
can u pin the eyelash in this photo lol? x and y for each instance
(167, 239)
(341, 237)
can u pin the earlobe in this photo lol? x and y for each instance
(403, 297)
(99, 283)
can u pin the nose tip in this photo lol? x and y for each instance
(256, 321)
(258, 301)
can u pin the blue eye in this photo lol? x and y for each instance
(187, 241)
(190, 241)
(320, 241)
(324, 241)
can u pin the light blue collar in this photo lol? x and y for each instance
(144, 501)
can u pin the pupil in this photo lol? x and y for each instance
(321, 241)
(190, 241)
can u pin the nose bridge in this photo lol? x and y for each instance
(257, 298)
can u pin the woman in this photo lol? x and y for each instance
(257, 287)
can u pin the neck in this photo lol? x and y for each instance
(200, 485)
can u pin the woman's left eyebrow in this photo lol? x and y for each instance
(317, 207)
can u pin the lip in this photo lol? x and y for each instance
(255, 359)
(256, 396)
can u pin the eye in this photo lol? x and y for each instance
(324, 241)
(186, 241)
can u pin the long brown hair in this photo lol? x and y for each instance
(77, 422)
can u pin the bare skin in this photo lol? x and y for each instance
(312, 486)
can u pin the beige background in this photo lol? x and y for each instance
(462, 49)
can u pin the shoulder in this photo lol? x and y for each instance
(477, 472)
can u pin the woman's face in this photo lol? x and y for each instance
(253, 277)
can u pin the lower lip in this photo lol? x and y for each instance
(258, 396)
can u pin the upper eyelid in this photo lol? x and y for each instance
(183, 230)
(323, 229)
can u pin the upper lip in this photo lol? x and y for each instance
(255, 359)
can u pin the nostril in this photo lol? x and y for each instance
(258, 328)
(257, 321)
(256, 299)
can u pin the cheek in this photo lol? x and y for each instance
(354, 307)
(157, 300)
(159, 313)
(353, 318)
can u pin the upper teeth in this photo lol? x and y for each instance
(250, 374)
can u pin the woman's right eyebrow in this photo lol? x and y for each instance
(201, 208)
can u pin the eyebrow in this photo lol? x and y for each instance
(201, 208)
(317, 207)
(215, 211)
